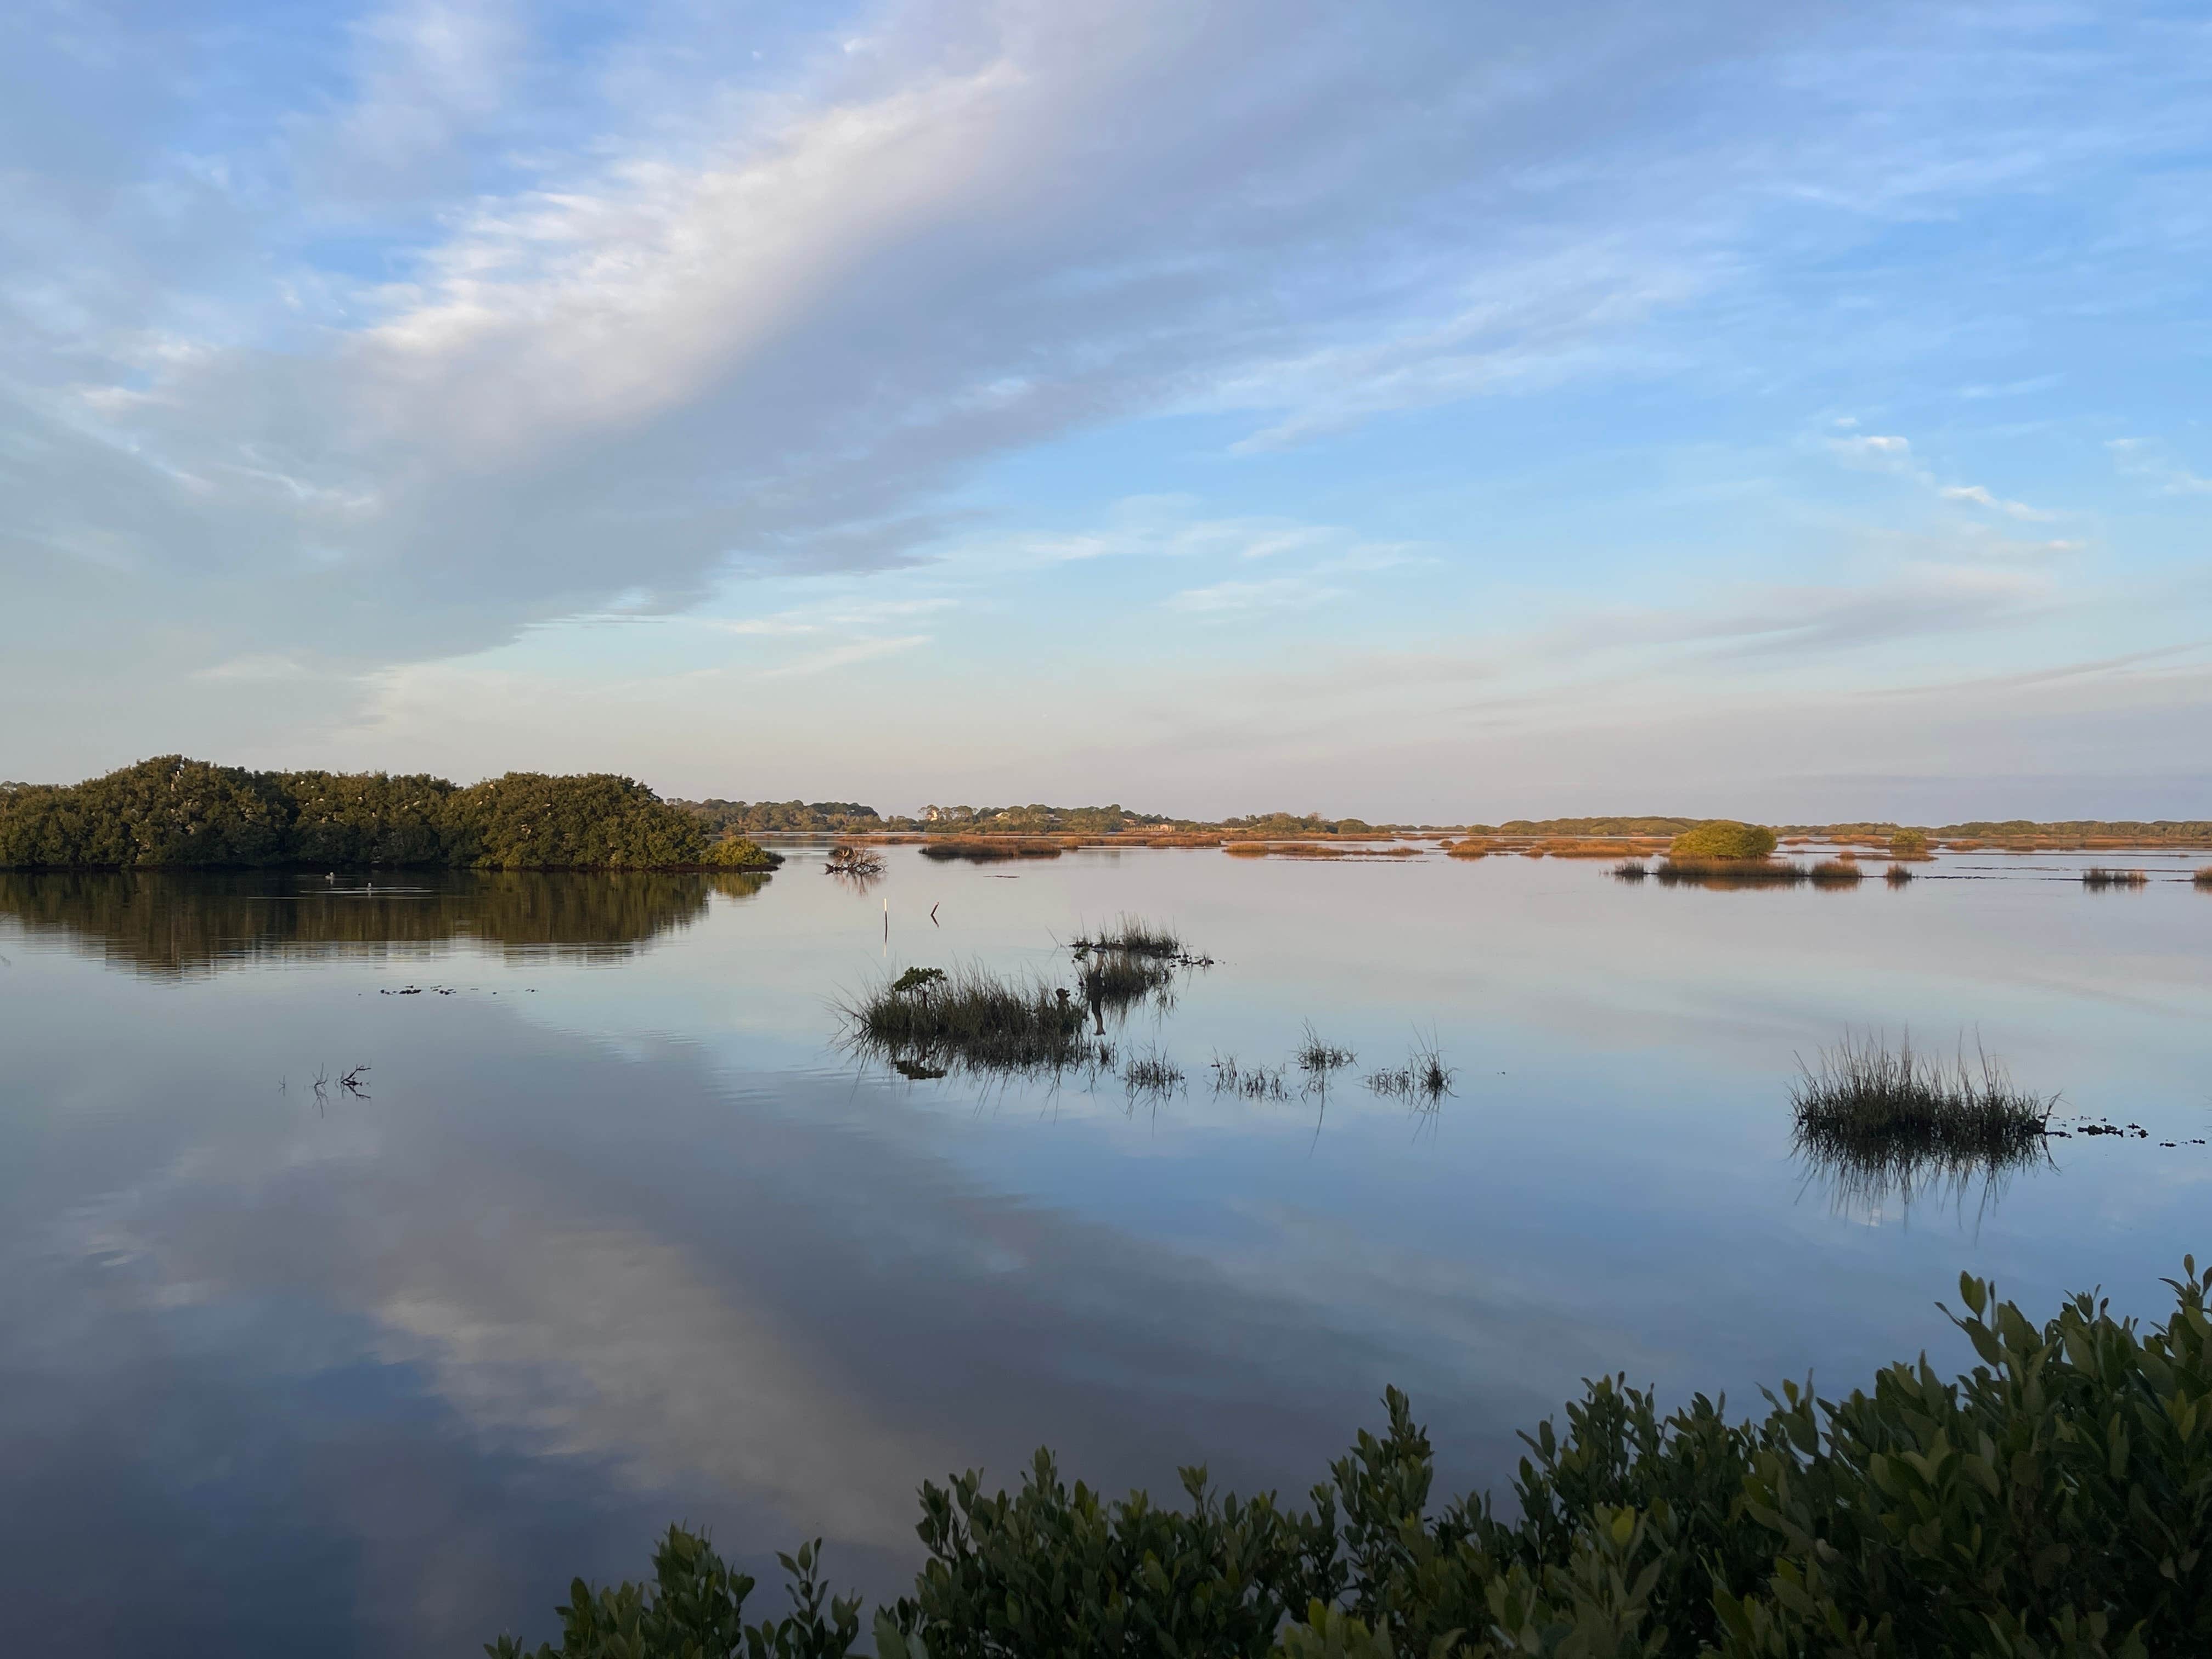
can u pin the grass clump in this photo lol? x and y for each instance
(1151, 1074)
(2097, 876)
(1897, 875)
(1836, 873)
(1317, 1058)
(933, 1018)
(1250, 1082)
(1723, 839)
(1729, 872)
(1424, 1079)
(1631, 870)
(1864, 1099)
(1133, 936)
(987, 849)
(2204, 877)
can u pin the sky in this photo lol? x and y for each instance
(1433, 412)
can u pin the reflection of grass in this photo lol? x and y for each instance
(2097, 876)
(1729, 872)
(1870, 1105)
(1115, 980)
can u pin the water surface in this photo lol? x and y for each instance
(612, 1231)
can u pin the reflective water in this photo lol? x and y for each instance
(609, 1233)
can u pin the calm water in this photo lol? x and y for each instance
(612, 1234)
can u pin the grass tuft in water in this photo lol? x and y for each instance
(1867, 1102)
(1423, 1080)
(1250, 1082)
(928, 1018)
(1151, 1074)
(2097, 876)
(1897, 875)
(1317, 1058)
(1631, 869)
(1133, 936)
(2204, 877)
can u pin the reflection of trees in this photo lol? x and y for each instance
(180, 923)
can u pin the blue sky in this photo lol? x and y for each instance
(1427, 411)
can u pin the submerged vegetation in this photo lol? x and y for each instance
(175, 813)
(2053, 1502)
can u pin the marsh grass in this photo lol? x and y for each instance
(1729, 872)
(1897, 875)
(987, 849)
(1423, 1080)
(2204, 877)
(1151, 1073)
(967, 1016)
(1836, 873)
(1134, 936)
(1889, 1112)
(1631, 870)
(1317, 1058)
(2097, 876)
(1250, 1082)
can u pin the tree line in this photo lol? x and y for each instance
(176, 813)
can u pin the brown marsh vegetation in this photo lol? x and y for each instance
(2098, 877)
(985, 849)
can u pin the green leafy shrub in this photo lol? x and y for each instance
(172, 812)
(1908, 844)
(2055, 1502)
(1723, 838)
(740, 853)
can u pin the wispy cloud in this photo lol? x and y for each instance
(844, 656)
(1275, 594)
(2141, 458)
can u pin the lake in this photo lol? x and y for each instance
(609, 1229)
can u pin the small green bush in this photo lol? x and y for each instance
(1723, 838)
(1908, 844)
(739, 853)
(2055, 1502)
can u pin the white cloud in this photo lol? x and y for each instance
(1276, 593)
(1980, 496)
(2140, 457)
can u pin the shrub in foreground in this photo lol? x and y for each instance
(2056, 1501)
